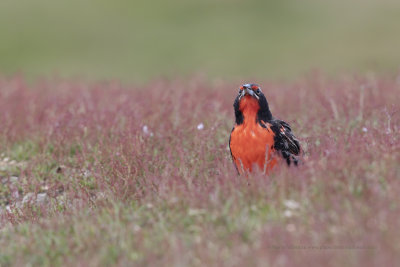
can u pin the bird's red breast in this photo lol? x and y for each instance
(251, 144)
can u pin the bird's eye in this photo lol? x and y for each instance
(258, 91)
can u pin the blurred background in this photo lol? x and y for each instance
(139, 40)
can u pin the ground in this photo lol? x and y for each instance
(105, 173)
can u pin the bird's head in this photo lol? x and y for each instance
(251, 101)
(250, 90)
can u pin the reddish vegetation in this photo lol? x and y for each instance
(103, 146)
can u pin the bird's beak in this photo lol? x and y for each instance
(250, 92)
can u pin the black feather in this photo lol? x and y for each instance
(285, 141)
(238, 113)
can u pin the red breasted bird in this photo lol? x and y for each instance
(258, 139)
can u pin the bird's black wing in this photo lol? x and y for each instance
(284, 141)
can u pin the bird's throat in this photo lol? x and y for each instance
(249, 107)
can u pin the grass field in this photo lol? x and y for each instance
(101, 173)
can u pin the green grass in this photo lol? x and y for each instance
(139, 40)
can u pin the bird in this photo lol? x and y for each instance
(259, 140)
